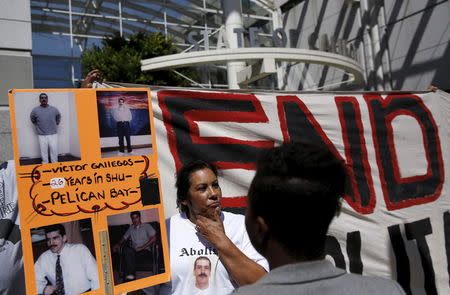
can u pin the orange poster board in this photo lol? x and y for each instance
(89, 190)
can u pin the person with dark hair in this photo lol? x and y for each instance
(46, 119)
(141, 235)
(300, 186)
(65, 268)
(203, 229)
(122, 115)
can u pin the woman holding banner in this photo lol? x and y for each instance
(210, 252)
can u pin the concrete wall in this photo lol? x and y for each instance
(419, 43)
(313, 24)
(6, 151)
(15, 47)
(414, 35)
(16, 66)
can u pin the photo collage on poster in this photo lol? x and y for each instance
(92, 220)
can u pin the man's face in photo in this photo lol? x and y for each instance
(202, 272)
(136, 219)
(55, 241)
(43, 99)
(121, 101)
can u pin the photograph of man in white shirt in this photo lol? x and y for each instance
(124, 123)
(65, 269)
(122, 115)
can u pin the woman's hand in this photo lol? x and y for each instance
(243, 270)
(210, 226)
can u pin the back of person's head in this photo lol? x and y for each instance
(297, 190)
(183, 182)
(55, 227)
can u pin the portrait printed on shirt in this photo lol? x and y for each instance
(201, 275)
(64, 258)
(135, 241)
(46, 127)
(124, 123)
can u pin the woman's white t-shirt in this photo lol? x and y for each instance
(186, 245)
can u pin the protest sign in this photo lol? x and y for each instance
(89, 190)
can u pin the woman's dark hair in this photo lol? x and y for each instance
(183, 180)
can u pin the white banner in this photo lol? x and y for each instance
(395, 221)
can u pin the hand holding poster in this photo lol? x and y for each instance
(89, 197)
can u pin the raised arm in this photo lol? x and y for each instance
(242, 269)
(91, 77)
